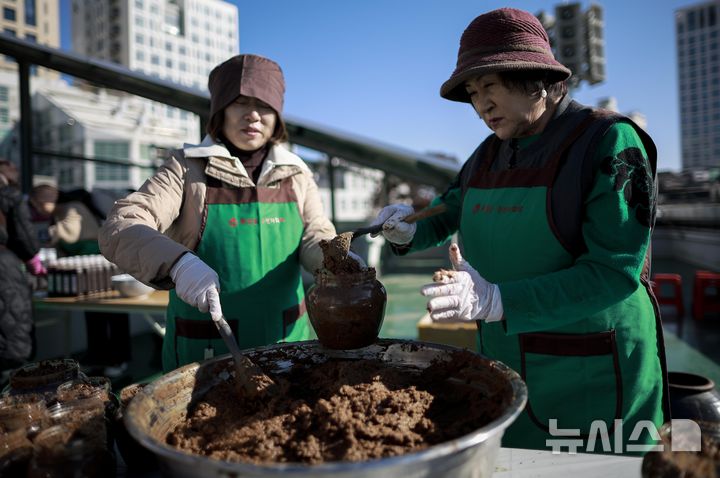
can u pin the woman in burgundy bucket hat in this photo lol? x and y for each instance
(228, 222)
(554, 210)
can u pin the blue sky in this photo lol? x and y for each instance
(374, 67)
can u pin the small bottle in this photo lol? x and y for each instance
(73, 276)
(64, 277)
(52, 278)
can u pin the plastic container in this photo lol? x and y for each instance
(61, 453)
(18, 414)
(43, 377)
(88, 387)
(85, 418)
(346, 310)
(15, 453)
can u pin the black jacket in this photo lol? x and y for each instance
(17, 245)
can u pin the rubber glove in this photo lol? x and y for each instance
(193, 279)
(394, 228)
(465, 296)
(35, 266)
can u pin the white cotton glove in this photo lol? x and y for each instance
(463, 296)
(394, 228)
(214, 307)
(193, 279)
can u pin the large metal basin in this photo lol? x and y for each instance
(163, 404)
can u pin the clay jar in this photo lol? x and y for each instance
(346, 310)
(693, 397)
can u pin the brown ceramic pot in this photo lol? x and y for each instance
(346, 310)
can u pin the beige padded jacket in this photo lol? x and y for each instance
(73, 222)
(147, 232)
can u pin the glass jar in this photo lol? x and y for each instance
(61, 453)
(346, 310)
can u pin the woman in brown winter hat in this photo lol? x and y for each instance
(554, 211)
(228, 223)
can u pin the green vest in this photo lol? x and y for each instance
(251, 238)
(603, 366)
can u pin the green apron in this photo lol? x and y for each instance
(251, 238)
(605, 365)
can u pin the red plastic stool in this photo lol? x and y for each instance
(675, 299)
(704, 298)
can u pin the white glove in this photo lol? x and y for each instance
(193, 279)
(394, 228)
(464, 296)
(214, 307)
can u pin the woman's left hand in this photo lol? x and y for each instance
(465, 296)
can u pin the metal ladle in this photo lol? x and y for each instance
(410, 219)
(252, 380)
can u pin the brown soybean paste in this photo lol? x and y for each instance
(345, 410)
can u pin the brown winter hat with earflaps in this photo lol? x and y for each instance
(506, 39)
(247, 75)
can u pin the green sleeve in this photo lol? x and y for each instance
(616, 228)
(437, 230)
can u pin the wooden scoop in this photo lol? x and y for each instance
(252, 380)
(414, 217)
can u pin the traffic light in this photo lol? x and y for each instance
(594, 26)
(570, 37)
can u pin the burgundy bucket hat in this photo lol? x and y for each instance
(506, 39)
(247, 75)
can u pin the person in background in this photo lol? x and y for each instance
(72, 227)
(555, 210)
(228, 221)
(18, 245)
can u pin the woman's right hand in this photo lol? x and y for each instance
(394, 228)
(194, 280)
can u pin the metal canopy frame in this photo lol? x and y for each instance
(403, 163)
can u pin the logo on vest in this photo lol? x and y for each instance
(500, 209)
(251, 221)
